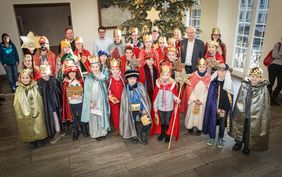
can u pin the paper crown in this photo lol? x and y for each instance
(213, 43)
(162, 39)
(257, 71)
(114, 63)
(117, 32)
(171, 41)
(26, 71)
(65, 43)
(67, 56)
(45, 68)
(103, 52)
(202, 62)
(150, 55)
(93, 59)
(166, 67)
(222, 66)
(215, 31)
(155, 29)
(43, 40)
(79, 40)
(147, 38)
(134, 30)
(172, 49)
(176, 31)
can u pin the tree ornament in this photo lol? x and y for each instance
(165, 5)
(153, 15)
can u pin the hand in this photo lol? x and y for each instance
(144, 112)
(178, 101)
(17, 63)
(83, 59)
(92, 105)
(188, 82)
(66, 79)
(157, 119)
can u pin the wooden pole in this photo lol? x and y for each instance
(174, 118)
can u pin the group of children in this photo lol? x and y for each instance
(138, 96)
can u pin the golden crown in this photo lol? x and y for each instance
(147, 38)
(45, 68)
(171, 41)
(172, 49)
(65, 43)
(257, 71)
(93, 59)
(114, 63)
(134, 30)
(166, 68)
(201, 62)
(215, 31)
(117, 32)
(78, 39)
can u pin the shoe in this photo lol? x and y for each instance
(220, 143)
(56, 138)
(237, 146)
(75, 134)
(210, 142)
(98, 139)
(162, 135)
(116, 132)
(144, 140)
(274, 102)
(191, 132)
(134, 140)
(245, 151)
(167, 138)
(198, 133)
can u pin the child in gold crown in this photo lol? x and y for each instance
(250, 123)
(165, 98)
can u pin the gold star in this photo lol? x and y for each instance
(153, 15)
(30, 41)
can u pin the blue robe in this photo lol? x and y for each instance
(210, 116)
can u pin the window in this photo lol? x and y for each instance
(251, 24)
(194, 17)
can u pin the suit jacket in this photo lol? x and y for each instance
(198, 51)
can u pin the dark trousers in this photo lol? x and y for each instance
(275, 71)
(246, 133)
(76, 110)
(188, 69)
(12, 76)
(221, 123)
(140, 128)
(165, 117)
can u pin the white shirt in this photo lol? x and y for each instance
(102, 44)
(189, 53)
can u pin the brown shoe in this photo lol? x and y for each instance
(56, 138)
(116, 132)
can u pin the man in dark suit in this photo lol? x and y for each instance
(191, 50)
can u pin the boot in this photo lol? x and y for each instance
(167, 138)
(162, 135)
(144, 138)
(85, 129)
(74, 134)
(237, 146)
(246, 151)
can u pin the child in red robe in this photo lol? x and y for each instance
(164, 100)
(116, 85)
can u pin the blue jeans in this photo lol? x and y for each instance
(12, 75)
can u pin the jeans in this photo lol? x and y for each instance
(12, 75)
(165, 117)
(76, 110)
(275, 71)
(221, 127)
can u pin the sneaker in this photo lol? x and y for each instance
(245, 151)
(210, 141)
(56, 138)
(220, 143)
(237, 146)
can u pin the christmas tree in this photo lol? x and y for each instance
(166, 15)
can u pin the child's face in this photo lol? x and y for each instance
(28, 61)
(115, 71)
(169, 45)
(176, 36)
(103, 59)
(117, 38)
(45, 75)
(165, 76)
(25, 78)
(254, 79)
(134, 36)
(202, 68)
(72, 75)
(148, 44)
(215, 37)
(221, 73)
(128, 54)
(95, 68)
(66, 49)
(155, 35)
(68, 62)
(162, 44)
(132, 80)
(150, 62)
(212, 48)
(171, 56)
(78, 46)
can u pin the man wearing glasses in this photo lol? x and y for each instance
(103, 42)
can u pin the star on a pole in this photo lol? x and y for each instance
(30, 41)
(153, 14)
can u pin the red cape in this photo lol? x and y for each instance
(85, 53)
(194, 80)
(156, 129)
(66, 111)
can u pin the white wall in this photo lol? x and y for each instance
(84, 18)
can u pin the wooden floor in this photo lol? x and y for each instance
(190, 156)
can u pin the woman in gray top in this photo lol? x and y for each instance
(275, 71)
